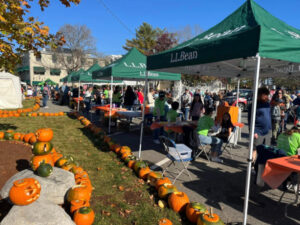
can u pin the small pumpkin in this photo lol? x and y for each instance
(166, 189)
(209, 219)
(77, 204)
(42, 148)
(131, 163)
(194, 210)
(44, 134)
(32, 140)
(84, 216)
(165, 221)
(178, 201)
(138, 165)
(38, 159)
(62, 161)
(17, 136)
(68, 166)
(1, 135)
(9, 135)
(162, 181)
(25, 191)
(152, 177)
(79, 192)
(27, 137)
(77, 169)
(125, 155)
(124, 149)
(143, 172)
(44, 170)
(56, 157)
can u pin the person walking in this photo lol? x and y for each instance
(45, 94)
(88, 99)
(129, 98)
(186, 100)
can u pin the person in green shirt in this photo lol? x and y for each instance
(205, 123)
(116, 99)
(159, 114)
(289, 141)
(172, 113)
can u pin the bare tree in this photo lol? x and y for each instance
(79, 44)
(187, 32)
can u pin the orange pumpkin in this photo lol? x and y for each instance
(21, 137)
(125, 155)
(84, 216)
(77, 169)
(77, 204)
(81, 175)
(17, 136)
(41, 114)
(27, 137)
(166, 189)
(32, 140)
(178, 201)
(84, 182)
(44, 134)
(143, 172)
(124, 149)
(165, 221)
(46, 114)
(79, 192)
(68, 166)
(16, 115)
(153, 176)
(56, 157)
(61, 113)
(56, 114)
(38, 159)
(25, 191)
(162, 181)
(194, 210)
(34, 114)
(209, 218)
(1, 135)
(131, 163)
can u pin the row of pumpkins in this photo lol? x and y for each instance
(31, 114)
(27, 190)
(196, 213)
(21, 112)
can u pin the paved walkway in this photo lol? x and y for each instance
(53, 108)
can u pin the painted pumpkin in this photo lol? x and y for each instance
(25, 191)
(27, 137)
(42, 148)
(162, 181)
(139, 164)
(17, 136)
(77, 204)
(9, 135)
(143, 172)
(166, 189)
(84, 216)
(178, 201)
(194, 210)
(165, 221)
(44, 134)
(38, 159)
(79, 192)
(44, 170)
(209, 219)
(152, 177)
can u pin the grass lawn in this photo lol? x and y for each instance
(133, 204)
(27, 103)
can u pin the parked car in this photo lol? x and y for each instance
(244, 98)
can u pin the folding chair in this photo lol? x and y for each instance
(198, 147)
(230, 142)
(177, 153)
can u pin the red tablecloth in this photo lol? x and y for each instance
(277, 170)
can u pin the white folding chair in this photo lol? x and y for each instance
(198, 147)
(230, 142)
(179, 153)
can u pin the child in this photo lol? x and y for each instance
(276, 118)
(196, 108)
(172, 113)
(227, 127)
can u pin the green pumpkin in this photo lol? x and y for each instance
(64, 161)
(129, 158)
(42, 148)
(9, 135)
(44, 170)
(199, 207)
(139, 164)
(205, 219)
(23, 114)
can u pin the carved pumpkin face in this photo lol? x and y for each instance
(25, 191)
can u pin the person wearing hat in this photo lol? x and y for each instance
(289, 141)
(159, 113)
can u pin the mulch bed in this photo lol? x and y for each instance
(14, 157)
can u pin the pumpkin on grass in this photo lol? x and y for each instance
(77, 204)
(166, 189)
(84, 216)
(32, 140)
(17, 136)
(44, 134)
(164, 221)
(79, 192)
(42, 148)
(1, 135)
(125, 155)
(68, 166)
(143, 172)
(27, 137)
(162, 181)
(152, 177)
(25, 191)
(9, 135)
(38, 159)
(124, 149)
(64, 160)
(77, 169)
(209, 219)
(44, 170)
(56, 157)
(194, 210)
(178, 201)
(138, 165)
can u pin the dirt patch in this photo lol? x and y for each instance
(105, 199)
(132, 197)
(15, 157)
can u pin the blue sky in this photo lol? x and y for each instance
(171, 14)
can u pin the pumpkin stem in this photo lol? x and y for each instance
(45, 146)
(211, 212)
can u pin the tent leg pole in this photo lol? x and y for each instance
(143, 114)
(253, 113)
(110, 103)
(78, 97)
(238, 92)
(180, 89)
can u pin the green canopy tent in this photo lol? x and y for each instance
(48, 81)
(68, 78)
(248, 42)
(132, 66)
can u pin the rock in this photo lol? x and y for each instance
(37, 213)
(53, 188)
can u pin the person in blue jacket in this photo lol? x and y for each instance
(263, 121)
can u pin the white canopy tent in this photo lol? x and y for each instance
(10, 91)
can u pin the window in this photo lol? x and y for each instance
(39, 70)
(54, 72)
(38, 57)
(54, 58)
